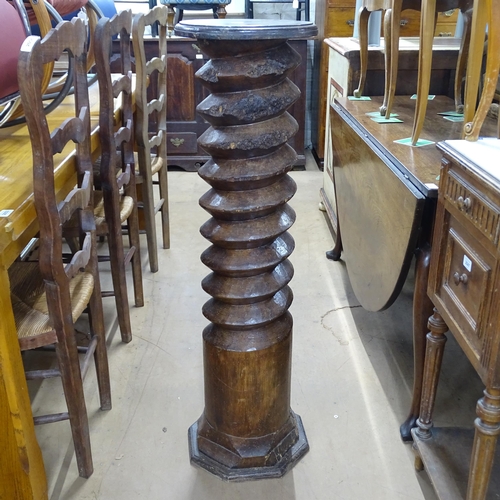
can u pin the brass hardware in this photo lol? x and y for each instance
(350, 22)
(460, 278)
(403, 22)
(463, 204)
(177, 142)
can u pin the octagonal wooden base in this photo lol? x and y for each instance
(288, 460)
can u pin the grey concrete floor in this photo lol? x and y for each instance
(351, 381)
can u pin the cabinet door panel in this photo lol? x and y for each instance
(180, 89)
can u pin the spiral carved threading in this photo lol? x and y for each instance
(247, 420)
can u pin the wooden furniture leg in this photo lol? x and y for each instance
(391, 71)
(462, 60)
(22, 473)
(436, 340)
(388, 60)
(170, 19)
(427, 26)
(492, 9)
(474, 63)
(422, 310)
(364, 16)
(485, 439)
(221, 12)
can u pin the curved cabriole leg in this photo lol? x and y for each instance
(436, 340)
(474, 62)
(485, 440)
(422, 309)
(388, 59)
(364, 15)
(473, 129)
(427, 27)
(462, 61)
(392, 69)
(247, 430)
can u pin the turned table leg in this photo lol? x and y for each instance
(248, 430)
(485, 440)
(436, 340)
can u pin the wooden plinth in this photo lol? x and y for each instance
(247, 430)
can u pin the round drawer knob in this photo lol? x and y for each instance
(463, 203)
(460, 278)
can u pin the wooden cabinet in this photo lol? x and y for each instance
(464, 286)
(334, 18)
(184, 92)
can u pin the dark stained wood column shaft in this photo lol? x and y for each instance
(248, 430)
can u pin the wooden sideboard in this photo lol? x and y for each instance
(464, 286)
(184, 93)
(335, 18)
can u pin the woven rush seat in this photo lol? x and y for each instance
(126, 207)
(29, 302)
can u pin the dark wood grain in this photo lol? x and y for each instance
(463, 285)
(151, 125)
(117, 155)
(247, 429)
(51, 271)
(420, 164)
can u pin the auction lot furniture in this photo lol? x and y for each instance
(247, 429)
(464, 287)
(335, 18)
(22, 473)
(385, 199)
(343, 76)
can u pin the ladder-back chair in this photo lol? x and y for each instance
(151, 126)
(116, 201)
(50, 295)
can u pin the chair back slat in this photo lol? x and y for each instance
(156, 104)
(71, 130)
(80, 259)
(156, 140)
(156, 64)
(124, 134)
(122, 84)
(78, 198)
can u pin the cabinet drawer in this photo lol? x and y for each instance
(340, 22)
(342, 3)
(445, 29)
(181, 143)
(477, 209)
(410, 23)
(465, 286)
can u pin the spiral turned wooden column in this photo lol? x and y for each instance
(248, 430)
